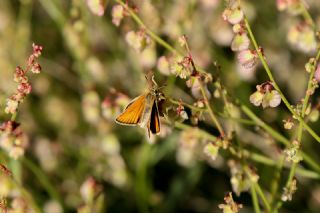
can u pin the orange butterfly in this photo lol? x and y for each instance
(143, 110)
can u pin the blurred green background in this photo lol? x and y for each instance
(87, 62)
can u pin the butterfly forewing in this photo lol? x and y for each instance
(133, 113)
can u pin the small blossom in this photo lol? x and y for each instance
(233, 16)
(289, 190)
(256, 98)
(97, 7)
(240, 180)
(238, 28)
(88, 189)
(288, 124)
(180, 67)
(117, 14)
(240, 42)
(266, 96)
(163, 65)
(36, 68)
(272, 99)
(302, 37)
(138, 40)
(309, 66)
(37, 50)
(16, 152)
(282, 4)
(247, 58)
(11, 106)
(24, 88)
(211, 150)
(292, 153)
(181, 112)
(230, 206)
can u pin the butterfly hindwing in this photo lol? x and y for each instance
(154, 124)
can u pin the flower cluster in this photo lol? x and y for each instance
(266, 96)
(12, 139)
(24, 87)
(292, 153)
(229, 205)
(289, 190)
(302, 37)
(241, 42)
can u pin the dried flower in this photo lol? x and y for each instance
(229, 205)
(117, 14)
(289, 190)
(240, 42)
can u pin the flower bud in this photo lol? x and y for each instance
(240, 42)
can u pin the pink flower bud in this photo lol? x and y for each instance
(97, 7)
(233, 16)
(117, 14)
(37, 50)
(247, 58)
(36, 68)
(163, 65)
(240, 42)
(24, 88)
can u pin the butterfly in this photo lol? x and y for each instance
(144, 109)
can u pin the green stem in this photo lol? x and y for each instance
(275, 85)
(278, 136)
(262, 196)
(43, 179)
(147, 30)
(306, 15)
(255, 200)
(211, 113)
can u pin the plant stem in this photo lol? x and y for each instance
(306, 15)
(147, 30)
(278, 136)
(262, 196)
(255, 200)
(211, 113)
(275, 85)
